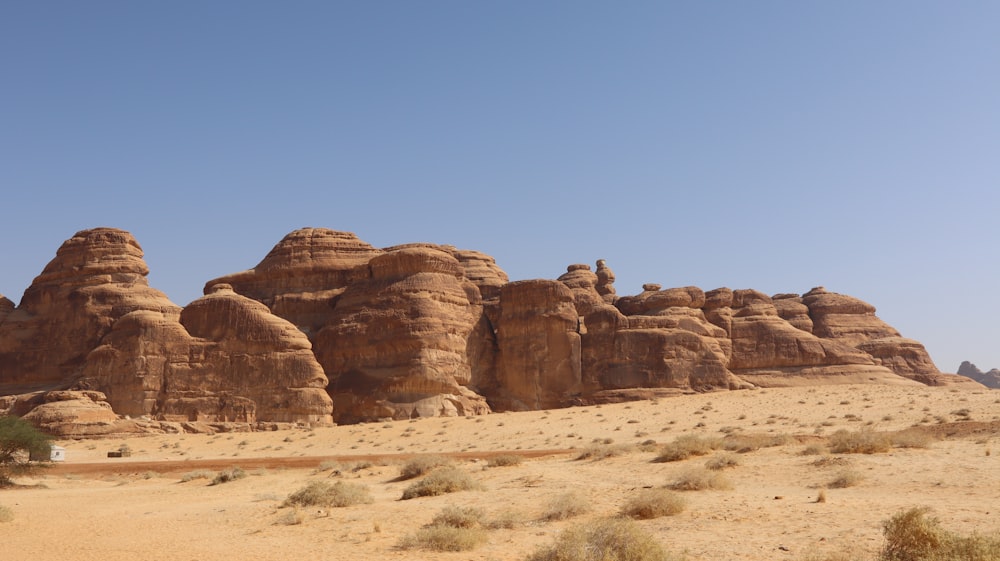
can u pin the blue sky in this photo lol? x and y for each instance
(774, 145)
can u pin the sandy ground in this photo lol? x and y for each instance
(98, 508)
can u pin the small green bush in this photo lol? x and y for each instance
(440, 481)
(227, 475)
(612, 539)
(566, 506)
(654, 503)
(337, 495)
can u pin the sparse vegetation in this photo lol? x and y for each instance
(604, 450)
(846, 478)
(654, 503)
(912, 535)
(199, 474)
(859, 442)
(566, 506)
(504, 460)
(683, 447)
(443, 480)
(422, 465)
(452, 529)
(292, 517)
(6, 514)
(723, 461)
(337, 495)
(611, 539)
(910, 438)
(700, 479)
(744, 443)
(227, 475)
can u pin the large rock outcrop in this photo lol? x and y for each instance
(327, 324)
(97, 277)
(397, 342)
(990, 379)
(90, 321)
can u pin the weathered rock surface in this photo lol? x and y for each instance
(397, 343)
(96, 277)
(303, 275)
(90, 321)
(327, 325)
(989, 379)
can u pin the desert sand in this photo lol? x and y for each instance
(92, 507)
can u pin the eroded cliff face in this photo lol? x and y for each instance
(327, 325)
(91, 322)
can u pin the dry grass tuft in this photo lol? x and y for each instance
(566, 506)
(744, 443)
(422, 465)
(910, 438)
(723, 461)
(6, 514)
(322, 493)
(505, 460)
(443, 480)
(859, 442)
(845, 479)
(227, 475)
(700, 479)
(292, 517)
(683, 447)
(199, 474)
(612, 539)
(452, 529)
(654, 503)
(602, 451)
(913, 536)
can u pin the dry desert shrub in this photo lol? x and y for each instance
(504, 520)
(322, 493)
(912, 535)
(744, 443)
(602, 451)
(448, 479)
(422, 465)
(700, 479)
(227, 475)
(611, 539)
(505, 460)
(291, 518)
(723, 461)
(814, 450)
(6, 514)
(859, 442)
(685, 446)
(199, 474)
(845, 479)
(444, 538)
(566, 506)
(909, 438)
(830, 461)
(452, 529)
(654, 503)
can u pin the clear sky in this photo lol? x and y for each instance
(776, 145)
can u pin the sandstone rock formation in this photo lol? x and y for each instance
(90, 321)
(327, 324)
(989, 379)
(396, 344)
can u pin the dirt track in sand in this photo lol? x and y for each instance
(113, 466)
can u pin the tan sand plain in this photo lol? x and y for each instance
(96, 508)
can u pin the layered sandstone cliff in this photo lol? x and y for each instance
(327, 326)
